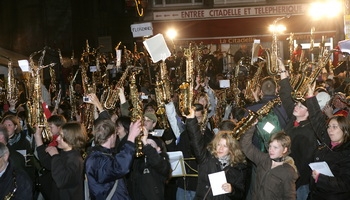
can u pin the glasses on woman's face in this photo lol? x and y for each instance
(332, 127)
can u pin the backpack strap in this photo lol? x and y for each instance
(110, 195)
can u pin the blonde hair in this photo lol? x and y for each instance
(235, 151)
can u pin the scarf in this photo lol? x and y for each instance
(16, 137)
(224, 161)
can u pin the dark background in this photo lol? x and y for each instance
(27, 26)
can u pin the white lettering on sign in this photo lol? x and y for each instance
(141, 30)
(296, 9)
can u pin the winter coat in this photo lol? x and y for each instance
(103, 168)
(24, 186)
(149, 174)
(208, 164)
(337, 187)
(67, 173)
(304, 139)
(276, 183)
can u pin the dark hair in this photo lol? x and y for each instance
(57, 120)
(103, 131)
(226, 125)
(124, 121)
(238, 113)
(343, 124)
(268, 86)
(74, 134)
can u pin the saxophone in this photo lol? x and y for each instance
(247, 122)
(12, 89)
(253, 83)
(302, 88)
(137, 110)
(72, 99)
(162, 95)
(113, 93)
(186, 88)
(37, 113)
(52, 88)
(163, 121)
(88, 114)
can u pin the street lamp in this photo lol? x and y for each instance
(172, 33)
(325, 9)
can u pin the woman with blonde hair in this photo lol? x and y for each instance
(222, 154)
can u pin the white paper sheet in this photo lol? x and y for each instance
(157, 48)
(176, 160)
(322, 168)
(216, 181)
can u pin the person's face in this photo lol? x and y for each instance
(114, 117)
(150, 109)
(221, 148)
(276, 150)
(203, 101)
(62, 144)
(121, 131)
(149, 124)
(54, 129)
(334, 131)
(337, 102)
(300, 110)
(3, 161)
(2, 139)
(198, 115)
(10, 126)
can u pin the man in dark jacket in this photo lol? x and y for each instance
(104, 169)
(14, 182)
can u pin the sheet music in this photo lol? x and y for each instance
(322, 168)
(216, 181)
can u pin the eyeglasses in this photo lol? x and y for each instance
(148, 120)
(332, 126)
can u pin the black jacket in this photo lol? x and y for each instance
(304, 139)
(208, 164)
(149, 175)
(67, 173)
(337, 187)
(24, 189)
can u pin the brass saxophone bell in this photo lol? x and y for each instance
(47, 137)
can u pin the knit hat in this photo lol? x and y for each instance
(151, 116)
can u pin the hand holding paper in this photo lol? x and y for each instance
(322, 168)
(217, 180)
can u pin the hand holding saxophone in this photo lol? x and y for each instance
(38, 136)
(134, 130)
(93, 99)
(311, 90)
(191, 113)
(282, 69)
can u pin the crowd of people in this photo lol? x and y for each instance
(264, 150)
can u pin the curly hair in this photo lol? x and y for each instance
(235, 151)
